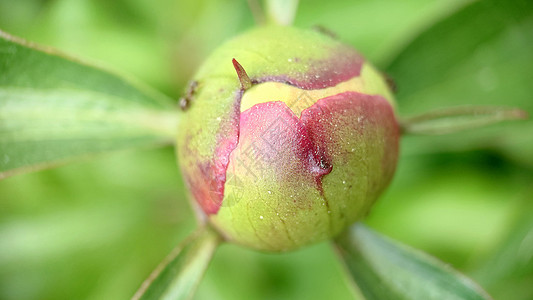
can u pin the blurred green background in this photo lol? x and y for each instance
(96, 229)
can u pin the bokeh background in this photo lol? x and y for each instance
(96, 229)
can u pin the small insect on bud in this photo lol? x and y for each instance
(291, 138)
(188, 97)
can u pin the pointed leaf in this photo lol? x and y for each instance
(55, 109)
(180, 273)
(383, 269)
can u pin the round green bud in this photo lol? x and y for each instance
(289, 137)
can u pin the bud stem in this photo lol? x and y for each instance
(281, 12)
(455, 119)
(257, 11)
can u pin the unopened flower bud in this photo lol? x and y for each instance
(290, 136)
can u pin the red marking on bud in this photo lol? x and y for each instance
(207, 184)
(283, 142)
(306, 148)
(246, 83)
(341, 66)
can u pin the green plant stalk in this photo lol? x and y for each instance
(180, 273)
(457, 119)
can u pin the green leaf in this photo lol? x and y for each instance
(180, 273)
(281, 12)
(378, 29)
(455, 40)
(383, 269)
(457, 119)
(54, 109)
(480, 55)
(508, 269)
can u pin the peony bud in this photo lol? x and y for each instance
(291, 143)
